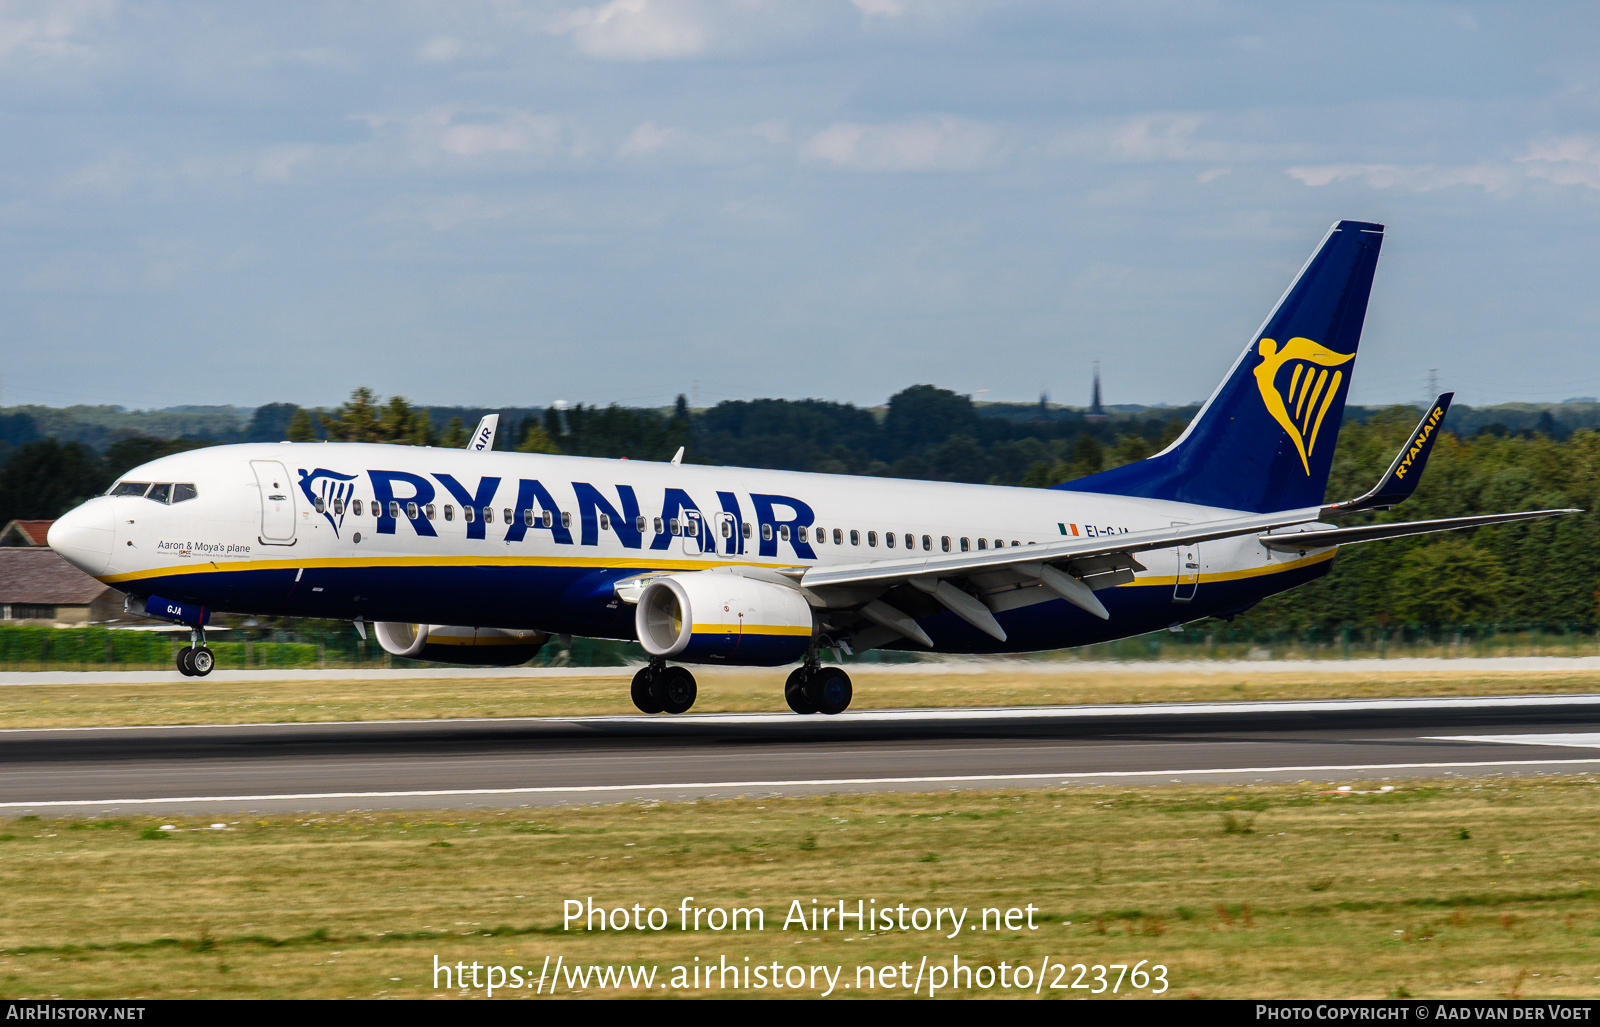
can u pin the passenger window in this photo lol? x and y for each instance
(318, 504)
(727, 529)
(527, 517)
(855, 537)
(355, 507)
(746, 529)
(184, 492)
(549, 519)
(159, 493)
(411, 511)
(927, 543)
(872, 538)
(911, 541)
(657, 525)
(605, 522)
(888, 539)
(506, 515)
(783, 533)
(944, 542)
(566, 519)
(449, 512)
(965, 545)
(1015, 542)
(394, 509)
(638, 524)
(822, 534)
(766, 533)
(838, 538)
(431, 511)
(675, 526)
(468, 513)
(488, 515)
(983, 543)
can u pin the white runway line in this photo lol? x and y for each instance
(803, 783)
(1578, 740)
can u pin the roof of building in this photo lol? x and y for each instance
(33, 532)
(40, 577)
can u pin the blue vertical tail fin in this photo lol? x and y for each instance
(1264, 440)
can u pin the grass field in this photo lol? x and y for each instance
(1484, 888)
(200, 701)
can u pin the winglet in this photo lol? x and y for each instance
(483, 434)
(1406, 469)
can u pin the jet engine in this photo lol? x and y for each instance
(448, 643)
(723, 618)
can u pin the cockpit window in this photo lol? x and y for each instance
(160, 493)
(130, 488)
(184, 491)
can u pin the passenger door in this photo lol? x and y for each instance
(1188, 579)
(277, 503)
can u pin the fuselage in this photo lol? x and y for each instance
(534, 541)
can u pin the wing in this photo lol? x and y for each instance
(1320, 537)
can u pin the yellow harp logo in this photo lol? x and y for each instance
(1311, 388)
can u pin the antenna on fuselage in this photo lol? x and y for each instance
(677, 458)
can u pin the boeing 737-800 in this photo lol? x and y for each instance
(478, 557)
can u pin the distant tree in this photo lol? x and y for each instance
(273, 422)
(455, 434)
(925, 416)
(535, 439)
(301, 428)
(45, 478)
(1448, 582)
(361, 420)
(127, 454)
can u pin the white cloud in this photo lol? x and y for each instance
(440, 50)
(926, 144)
(637, 30)
(649, 138)
(467, 133)
(1570, 160)
(46, 28)
(1419, 178)
(882, 8)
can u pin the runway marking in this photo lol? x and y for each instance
(990, 713)
(812, 782)
(1579, 740)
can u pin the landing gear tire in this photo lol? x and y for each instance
(832, 688)
(184, 666)
(676, 688)
(644, 696)
(201, 661)
(797, 692)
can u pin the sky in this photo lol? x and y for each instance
(514, 203)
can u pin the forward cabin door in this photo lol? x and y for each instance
(277, 503)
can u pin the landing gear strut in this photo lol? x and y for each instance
(196, 660)
(817, 689)
(658, 688)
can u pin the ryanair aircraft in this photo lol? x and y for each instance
(479, 557)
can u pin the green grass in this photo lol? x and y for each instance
(1359, 895)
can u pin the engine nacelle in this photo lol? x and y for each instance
(447, 643)
(723, 618)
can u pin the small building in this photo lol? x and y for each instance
(25, 533)
(37, 585)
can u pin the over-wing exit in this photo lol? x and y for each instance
(479, 557)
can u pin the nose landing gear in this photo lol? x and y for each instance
(658, 688)
(196, 661)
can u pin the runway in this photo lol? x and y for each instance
(526, 762)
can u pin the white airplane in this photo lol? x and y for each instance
(478, 557)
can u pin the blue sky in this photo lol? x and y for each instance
(513, 203)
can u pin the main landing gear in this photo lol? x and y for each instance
(659, 688)
(196, 661)
(817, 689)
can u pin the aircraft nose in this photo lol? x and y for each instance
(83, 536)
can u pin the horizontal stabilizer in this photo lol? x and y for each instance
(1322, 538)
(1406, 470)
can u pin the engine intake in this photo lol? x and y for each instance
(448, 643)
(723, 618)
